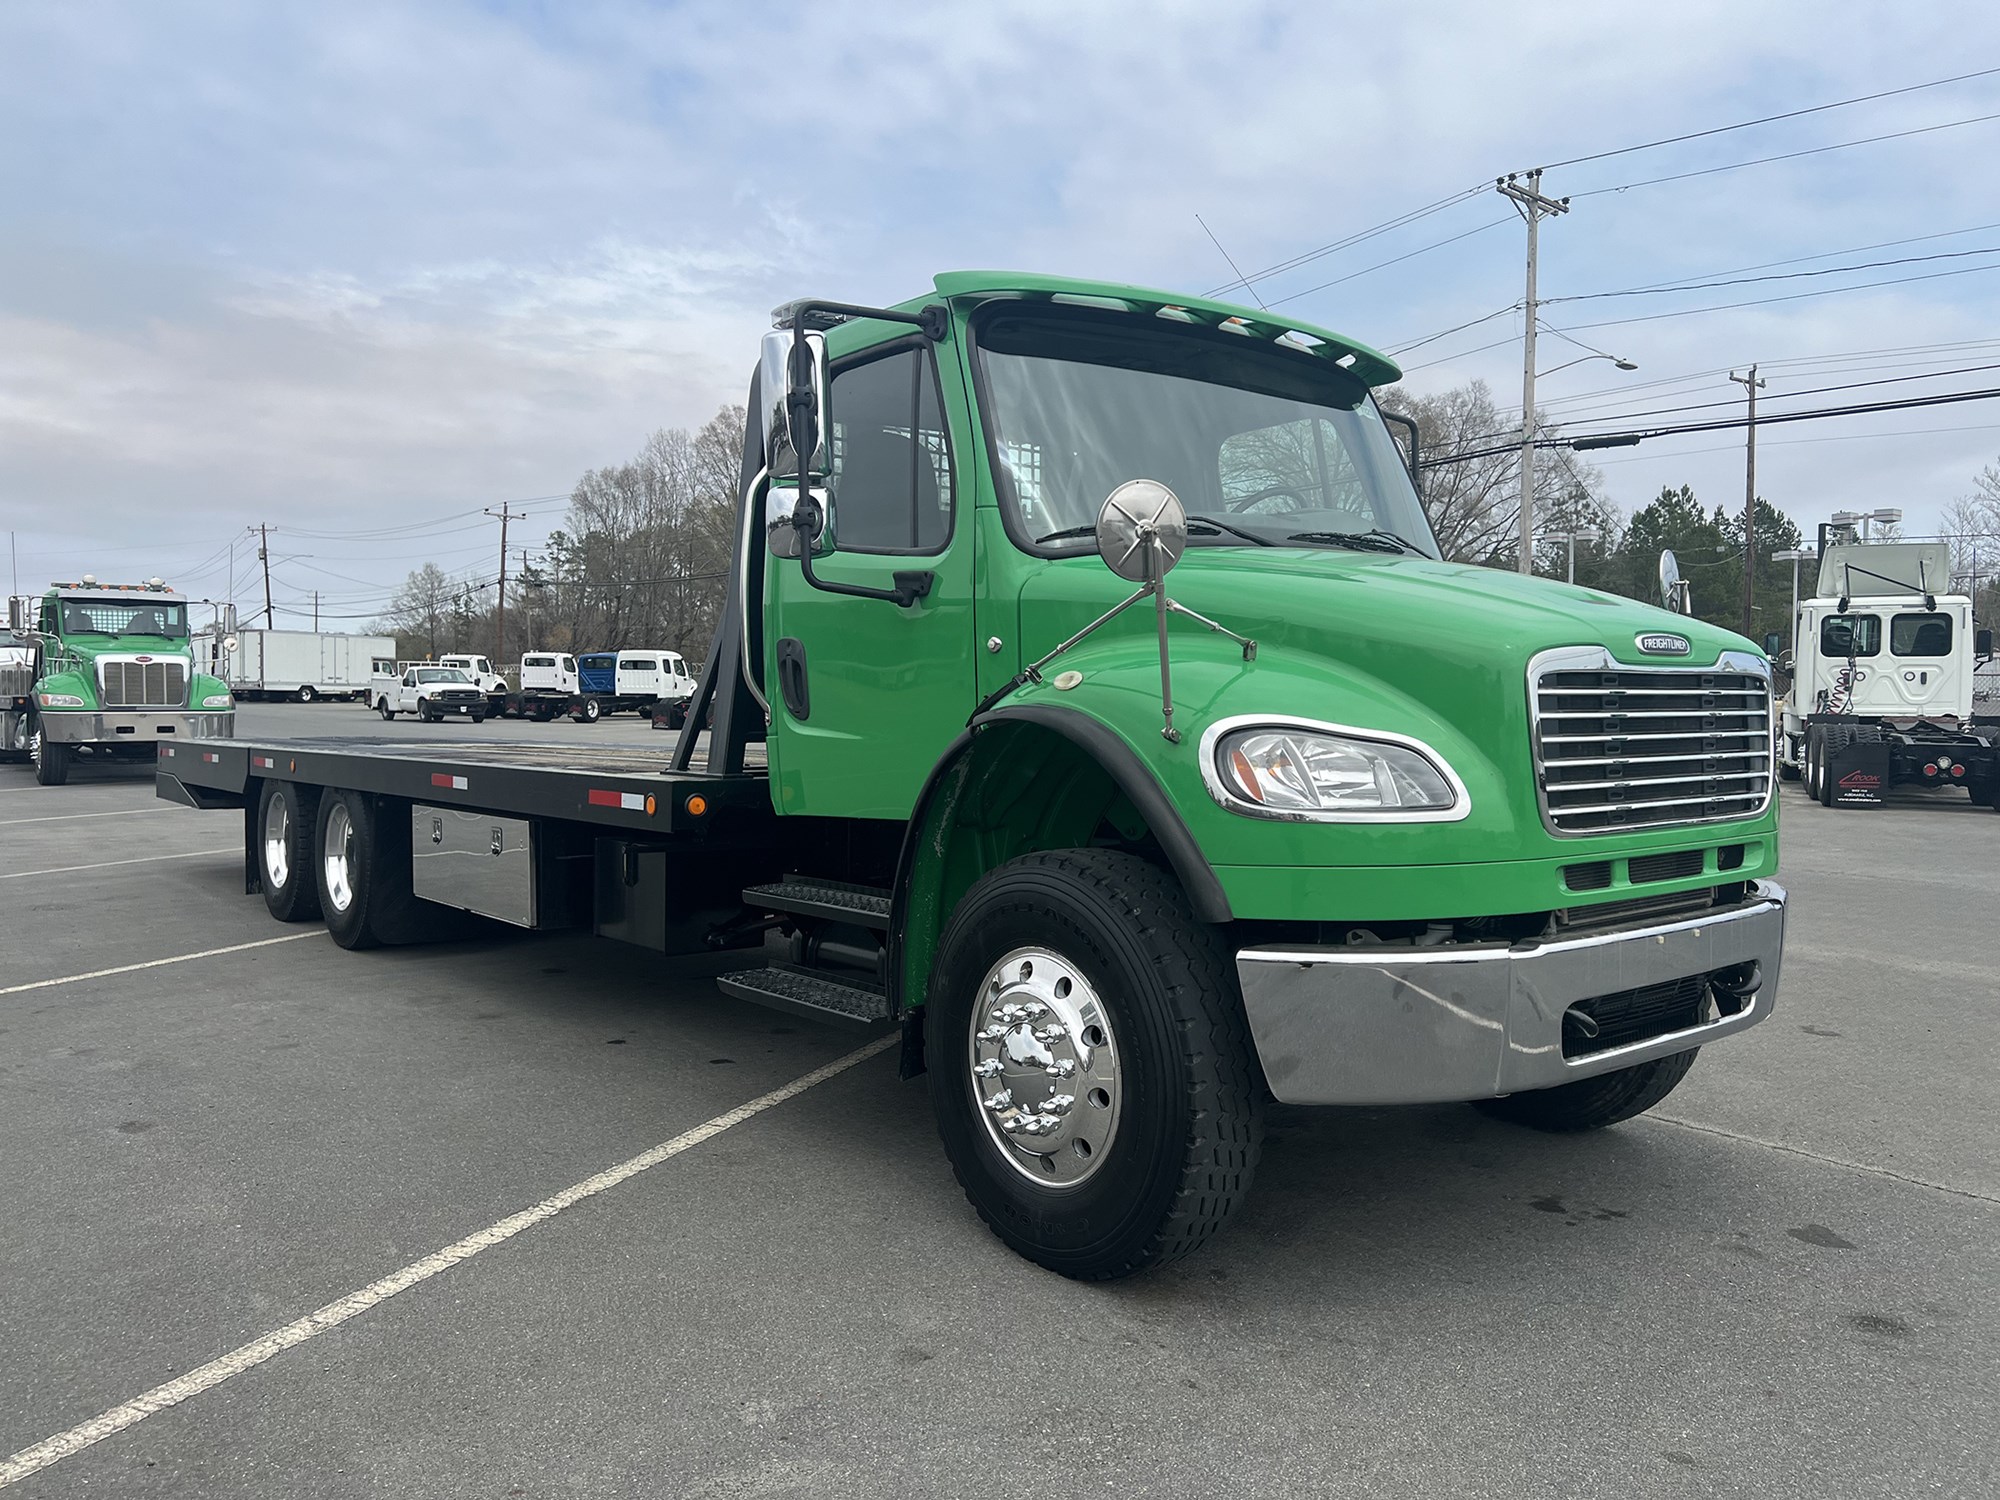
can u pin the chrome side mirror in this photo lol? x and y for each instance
(791, 389)
(781, 518)
(229, 643)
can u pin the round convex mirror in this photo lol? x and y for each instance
(1138, 516)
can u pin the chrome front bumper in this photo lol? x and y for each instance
(1388, 1025)
(135, 726)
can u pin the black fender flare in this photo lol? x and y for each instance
(1127, 771)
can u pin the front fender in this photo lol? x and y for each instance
(1119, 690)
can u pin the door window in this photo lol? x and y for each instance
(1920, 635)
(891, 479)
(1850, 635)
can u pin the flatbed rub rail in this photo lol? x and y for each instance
(613, 794)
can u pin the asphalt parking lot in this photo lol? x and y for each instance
(1782, 1283)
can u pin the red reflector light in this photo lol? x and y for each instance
(1929, 769)
(1957, 769)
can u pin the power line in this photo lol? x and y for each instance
(1859, 286)
(1793, 114)
(1894, 135)
(1724, 425)
(1395, 260)
(1353, 239)
(1697, 286)
(1501, 312)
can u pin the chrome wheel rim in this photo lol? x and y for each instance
(277, 843)
(1042, 1064)
(339, 859)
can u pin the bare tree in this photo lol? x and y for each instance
(1474, 503)
(422, 608)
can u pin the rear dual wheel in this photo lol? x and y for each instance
(1090, 1065)
(361, 870)
(287, 814)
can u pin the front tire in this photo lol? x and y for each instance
(287, 815)
(592, 710)
(1144, 1139)
(51, 758)
(1592, 1103)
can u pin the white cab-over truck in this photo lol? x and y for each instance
(1883, 660)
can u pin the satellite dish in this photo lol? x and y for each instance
(1670, 574)
(1142, 519)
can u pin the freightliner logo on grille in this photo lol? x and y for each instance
(1664, 645)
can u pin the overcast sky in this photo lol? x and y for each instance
(347, 268)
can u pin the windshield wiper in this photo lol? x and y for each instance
(1376, 540)
(1197, 524)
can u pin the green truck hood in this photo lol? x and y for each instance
(1438, 651)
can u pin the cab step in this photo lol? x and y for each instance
(814, 996)
(826, 900)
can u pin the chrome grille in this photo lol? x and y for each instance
(143, 684)
(1621, 747)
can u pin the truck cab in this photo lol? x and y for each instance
(114, 674)
(552, 672)
(1884, 671)
(480, 670)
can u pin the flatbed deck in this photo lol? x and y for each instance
(625, 787)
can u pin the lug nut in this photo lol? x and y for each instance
(988, 1069)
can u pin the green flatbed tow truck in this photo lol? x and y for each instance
(1091, 702)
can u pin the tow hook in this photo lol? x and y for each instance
(1734, 987)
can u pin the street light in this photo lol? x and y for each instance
(1580, 534)
(1794, 556)
(1527, 561)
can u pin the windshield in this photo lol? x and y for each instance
(116, 617)
(442, 674)
(1273, 446)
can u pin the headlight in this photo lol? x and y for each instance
(1324, 772)
(61, 700)
(217, 700)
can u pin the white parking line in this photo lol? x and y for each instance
(110, 863)
(161, 963)
(128, 812)
(207, 1377)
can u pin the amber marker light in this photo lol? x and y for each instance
(697, 805)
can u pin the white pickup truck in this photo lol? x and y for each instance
(433, 693)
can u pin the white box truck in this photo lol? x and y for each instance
(303, 665)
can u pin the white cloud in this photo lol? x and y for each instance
(378, 261)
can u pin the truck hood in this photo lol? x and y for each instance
(1455, 637)
(93, 646)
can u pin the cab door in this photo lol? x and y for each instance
(866, 694)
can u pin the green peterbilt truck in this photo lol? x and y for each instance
(1134, 804)
(112, 675)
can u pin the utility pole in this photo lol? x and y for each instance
(1533, 207)
(264, 556)
(1751, 385)
(500, 615)
(315, 611)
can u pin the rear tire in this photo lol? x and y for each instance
(592, 710)
(361, 869)
(1142, 999)
(307, 693)
(287, 815)
(382, 708)
(1833, 739)
(1592, 1103)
